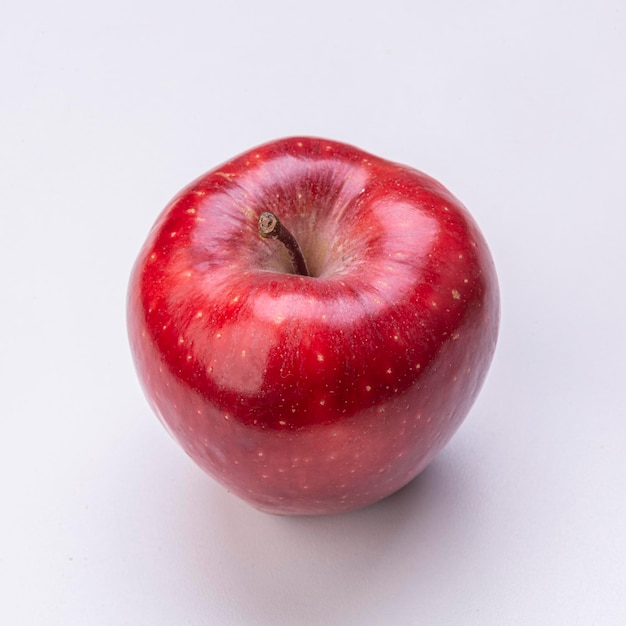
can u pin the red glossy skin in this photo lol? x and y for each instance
(312, 395)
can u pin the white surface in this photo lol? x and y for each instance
(519, 108)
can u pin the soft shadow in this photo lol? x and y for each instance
(312, 569)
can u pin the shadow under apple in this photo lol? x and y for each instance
(301, 570)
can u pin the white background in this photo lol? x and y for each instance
(107, 109)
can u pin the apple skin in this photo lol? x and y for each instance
(323, 394)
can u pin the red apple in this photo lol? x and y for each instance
(323, 393)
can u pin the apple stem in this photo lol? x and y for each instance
(271, 227)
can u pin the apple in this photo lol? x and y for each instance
(312, 323)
